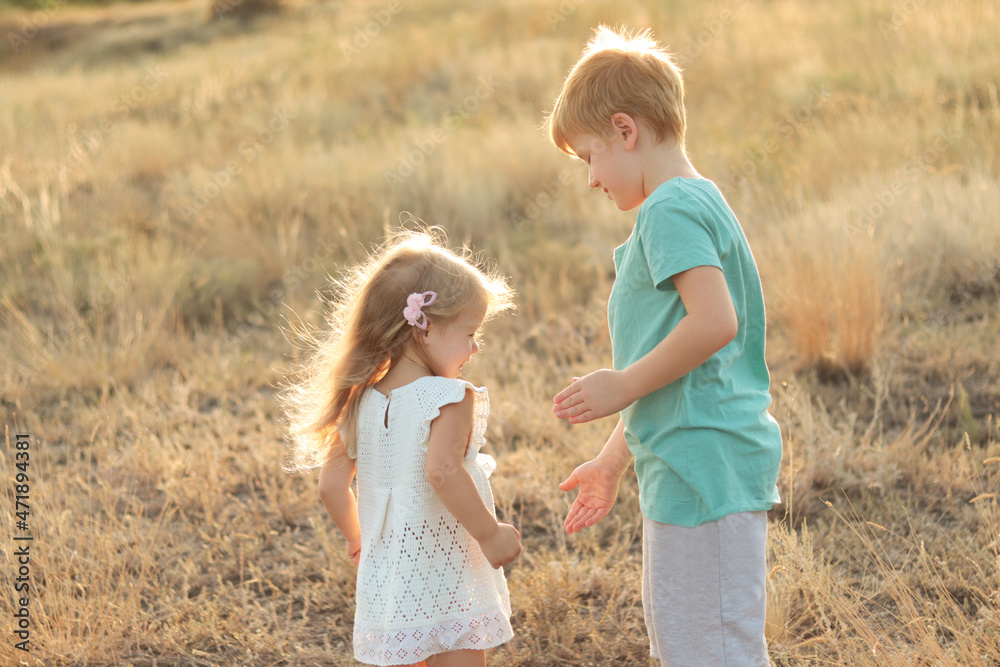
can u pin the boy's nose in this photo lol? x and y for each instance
(475, 346)
(593, 181)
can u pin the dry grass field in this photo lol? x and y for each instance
(175, 192)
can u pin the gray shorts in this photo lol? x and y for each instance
(704, 591)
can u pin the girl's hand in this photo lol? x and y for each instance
(593, 396)
(503, 546)
(598, 491)
(354, 551)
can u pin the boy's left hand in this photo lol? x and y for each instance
(593, 396)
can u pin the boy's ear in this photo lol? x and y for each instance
(625, 128)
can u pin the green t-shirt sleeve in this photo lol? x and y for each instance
(675, 239)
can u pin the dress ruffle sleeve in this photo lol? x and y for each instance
(445, 391)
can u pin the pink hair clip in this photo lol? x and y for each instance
(414, 316)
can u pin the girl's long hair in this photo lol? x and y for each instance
(368, 333)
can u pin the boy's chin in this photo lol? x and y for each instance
(626, 203)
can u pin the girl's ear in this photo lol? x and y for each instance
(420, 335)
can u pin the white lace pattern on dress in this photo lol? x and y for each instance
(424, 585)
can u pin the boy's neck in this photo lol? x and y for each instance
(664, 161)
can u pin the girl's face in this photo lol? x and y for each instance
(449, 345)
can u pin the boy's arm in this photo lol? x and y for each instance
(598, 481)
(446, 447)
(709, 325)
(341, 504)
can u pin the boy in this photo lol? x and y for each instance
(686, 314)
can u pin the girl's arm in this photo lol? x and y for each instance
(341, 504)
(446, 447)
(598, 481)
(710, 324)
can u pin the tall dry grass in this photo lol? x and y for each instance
(174, 191)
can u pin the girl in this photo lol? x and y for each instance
(382, 400)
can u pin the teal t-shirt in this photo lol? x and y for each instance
(704, 445)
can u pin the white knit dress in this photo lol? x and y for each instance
(424, 585)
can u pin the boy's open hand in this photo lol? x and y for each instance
(503, 546)
(598, 491)
(593, 396)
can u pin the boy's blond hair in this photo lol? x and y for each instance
(620, 73)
